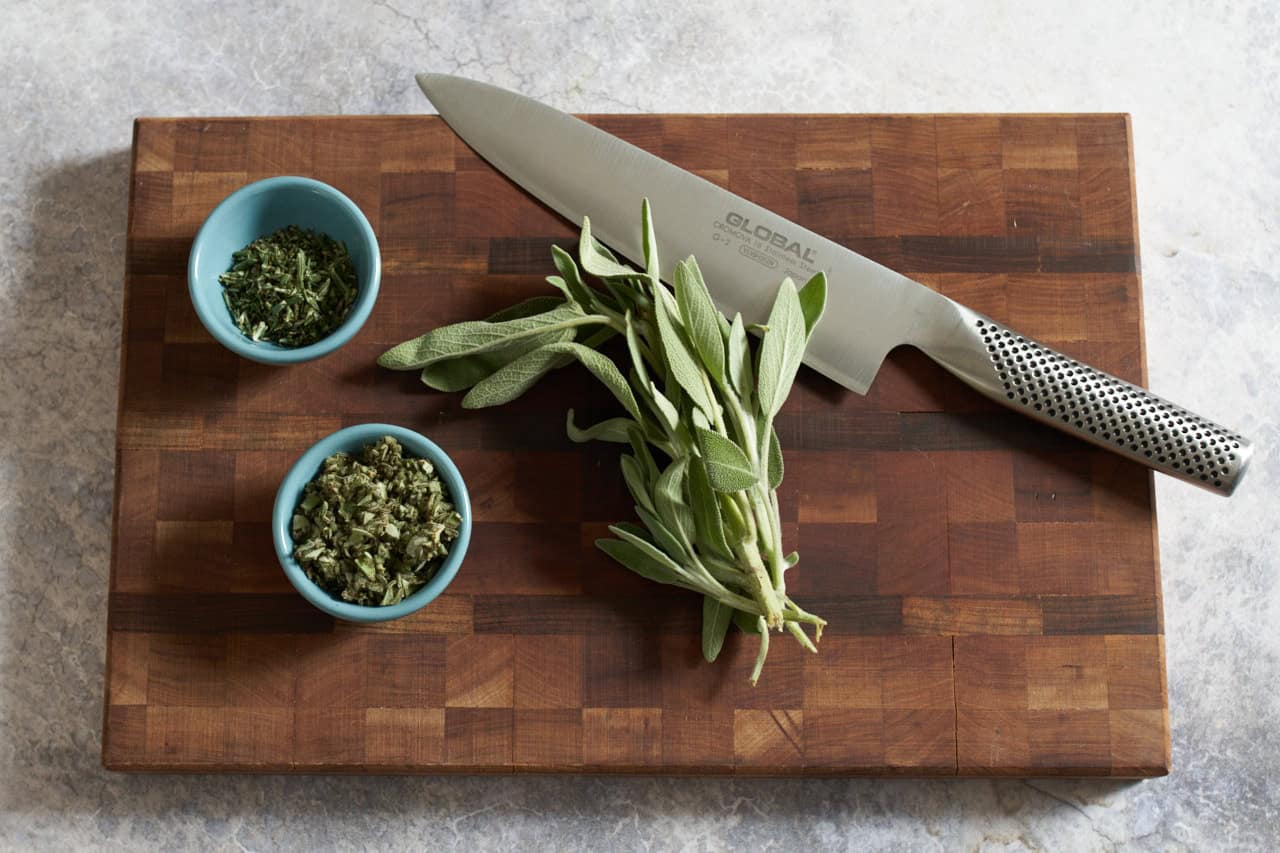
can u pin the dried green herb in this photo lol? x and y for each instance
(290, 288)
(374, 528)
(692, 392)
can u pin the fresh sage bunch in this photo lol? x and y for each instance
(698, 416)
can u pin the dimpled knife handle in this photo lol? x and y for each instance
(1044, 384)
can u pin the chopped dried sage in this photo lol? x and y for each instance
(291, 288)
(372, 529)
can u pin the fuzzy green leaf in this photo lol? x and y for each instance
(728, 468)
(641, 447)
(781, 351)
(473, 337)
(665, 408)
(528, 308)
(739, 359)
(458, 374)
(574, 285)
(511, 380)
(699, 419)
(668, 497)
(687, 373)
(598, 260)
(637, 354)
(701, 319)
(716, 617)
(706, 510)
(605, 370)
(558, 283)
(775, 459)
(662, 535)
(635, 536)
(638, 482)
(813, 301)
(638, 561)
(508, 381)
(763, 630)
(613, 429)
(651, 266)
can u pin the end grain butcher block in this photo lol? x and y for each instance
(991, 585)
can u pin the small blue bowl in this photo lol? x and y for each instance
(353, 440)
(262, 208)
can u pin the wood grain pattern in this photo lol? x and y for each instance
(991, 585)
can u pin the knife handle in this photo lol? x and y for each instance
(1051, 387)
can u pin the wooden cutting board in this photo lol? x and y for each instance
(991, 586)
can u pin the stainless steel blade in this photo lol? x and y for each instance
(744, 250)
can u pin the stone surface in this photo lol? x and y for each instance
(1203, 84)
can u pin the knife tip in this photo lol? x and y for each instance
(426, 81)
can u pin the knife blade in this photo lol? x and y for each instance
(745, 250)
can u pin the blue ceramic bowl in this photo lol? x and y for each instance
(259, 209)
(353, 439)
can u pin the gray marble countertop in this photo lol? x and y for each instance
(1202, 81)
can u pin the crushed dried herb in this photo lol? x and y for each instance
(290, 288)
(372, 529)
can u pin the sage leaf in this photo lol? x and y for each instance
(665, 408)
(613, 429)
(473, 337)
(699, 419)
(775, 459)
(510, 381)
(662, 535)
(747, 623)
(668, 497)
(651, 266)
(641, 447)
(781, 351)
(728, 469)
(598, 260)
(559, 284)
(625, 297)
(763, 629)
(715, 624)
(635, 536)
(739, 360)
(683, 369)
(706, 510)
(634, 529)
(528, 308)
(637, 355)
(605, 370)
(638, 484)
(458, 374)
(574, 285)
(701, 319)
(638, 561)
(813, 301)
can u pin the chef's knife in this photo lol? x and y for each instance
(745, 250)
